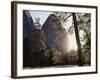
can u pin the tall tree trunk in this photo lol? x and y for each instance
(80, 61)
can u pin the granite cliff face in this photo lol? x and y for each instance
(27, 24)
(55, 33)
(27, 32)
(48, 28)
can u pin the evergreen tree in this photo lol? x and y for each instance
(37, 46)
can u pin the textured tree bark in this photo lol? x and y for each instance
(80, 61)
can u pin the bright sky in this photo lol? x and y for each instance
(40, 14)
(70, 37)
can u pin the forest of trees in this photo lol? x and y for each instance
(82, 27)
(84, 43)
(50, 51)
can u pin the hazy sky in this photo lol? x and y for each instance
(40, 14)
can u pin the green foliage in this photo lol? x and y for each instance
(37, 41)
(85, 26)
(56, 56)
(72, 57)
